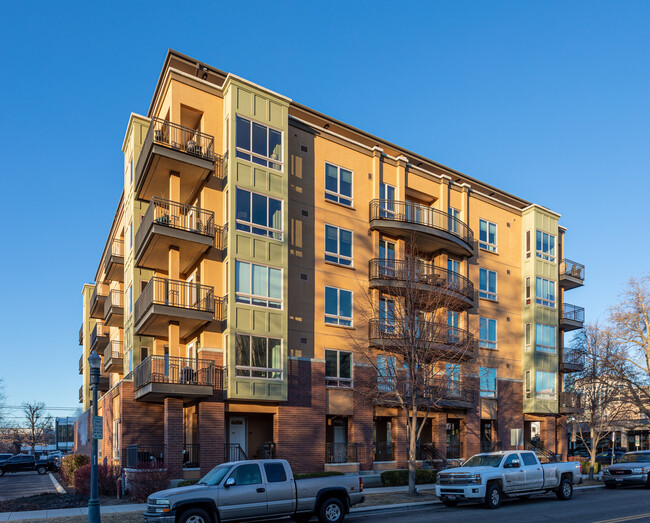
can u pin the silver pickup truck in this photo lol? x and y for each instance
(256, 489)
(489, 477)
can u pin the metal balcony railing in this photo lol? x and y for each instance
(113, 352)
(138, 456)
(177, 216)
(81, 394)
(190, 455)
(99, 330)
(573, 357)
(81, 334)
(573, 313)
(234, 452)
(345, 453)
(424, 333)
(182, 138)
(180, 371)
(81, 364)
(570, 400)
(115, 299)
(571, 268)
(101, 289)
(383, 451)
(418, 271)
(177, 293)
(415, 213)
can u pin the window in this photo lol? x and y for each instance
(338, 184)
(488, 379)
(527, 292)
(129, 298)
(258, 285)
(487, 333)
(259, 214)
(527, 384)
(527, 337)
(545, 246)
(545, 292)
(386, 200)
(338, 245)
(453, 319)
(527, 244)
(386, 250)
(452, 371)
(545, 338)
(260, 144)
(487, 235)
(275, 472)
(487, 284)
(529, 458)
(258, 357)
(454, 220)
(386, 316)
(385, 373)
(247, 474)
(338, 306)
(545, 385)
(338, 368)
(129, 360)
(116, 439)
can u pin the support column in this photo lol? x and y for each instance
(173, 335)
(174, 186)
(362, 423)
(173, 419)
(400, 440)
(211, 435)
(439, 436)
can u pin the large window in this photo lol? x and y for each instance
(487, 284)
(488, 379)
(487, 333)
(545, 338)
(258, 357)
(545, 292)
(259, 214)
(338, 368)
(259, 144)
(386, 371)
(454, 220)
(487, 235)
(338, 306)
(338, 184)
(545, 385)
(338, 245)
(452, 372)
(545, 246)
(387, 201)
(258, 285)
(386, 316)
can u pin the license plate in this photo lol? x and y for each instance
(619, 479)
(451, 497)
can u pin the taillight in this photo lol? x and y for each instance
(360, 484)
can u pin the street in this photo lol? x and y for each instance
(22, 484)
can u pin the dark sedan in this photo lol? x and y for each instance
(605, 458)
(632, 469)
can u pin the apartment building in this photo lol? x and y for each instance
(231, 282)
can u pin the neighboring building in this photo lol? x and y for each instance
(224, 295)
(64, 433)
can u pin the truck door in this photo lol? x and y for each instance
(247, 497)
(513, 473)
(533, 473)
(280, 490)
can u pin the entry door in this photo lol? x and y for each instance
(238, 432)
(340, 440)
(387, 255)
(453, 438)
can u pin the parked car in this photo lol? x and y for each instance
(23, 462)
(256, 489)
(5, 457)
(606, 457)
(633, 468)
(492, 476)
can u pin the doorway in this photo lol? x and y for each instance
(453, 439)
(237, 432)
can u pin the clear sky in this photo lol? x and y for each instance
(547, 100)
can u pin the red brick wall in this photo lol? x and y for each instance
(211, 434)
(141, 423)
(361, 424)
(510, 411)
(173, 431)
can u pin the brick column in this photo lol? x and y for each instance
(562, 438)
(510, 411)
(400, 440)
(360, 430)
(471, 426)
(173, 418)
(211, 435)
(439, 436)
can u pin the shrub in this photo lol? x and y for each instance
(584, 465)
(71, 463)
(321, 474)
(145, 482)
(106, 480)
(396, 478)
(187, 482)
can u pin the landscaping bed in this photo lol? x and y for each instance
(51, 501)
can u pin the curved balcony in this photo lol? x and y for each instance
(437, 341)
(421, 277)
(431, 229)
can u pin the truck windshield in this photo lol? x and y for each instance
(215, 476)
(635, 458)
(484, 460)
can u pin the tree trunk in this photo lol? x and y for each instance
(592, 465)
(412, 441)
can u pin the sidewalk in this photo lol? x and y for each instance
(64, 512)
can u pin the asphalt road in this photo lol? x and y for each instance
(592, 505)
(20, 484)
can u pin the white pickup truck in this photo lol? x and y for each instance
(489, 477)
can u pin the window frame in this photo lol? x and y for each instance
(546, 349)
(336, 255)
(542, 300)
(487, 294)
(338, 317)
(486, 245)
(338, 381)
(258, 297)
(527, 337)
(251, 368)
(386, 382)
(545, 394)
(267, 159)
(487, 392)
(336, 196)
(487, 343)
(252, 225)
(540, 253)
(527, 384)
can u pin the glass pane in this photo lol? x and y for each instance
(346, 243)
(492, 332)
(243, 133)
(275, 213)
(275, 145)
(259, 209)
(260, 282)
(242, 277)
(330, 364)
(331, 301)
(242, 355)
(492, 238)
(275, 355)
(346, 303)
(275, 283)
(482, 224)
(539, 241)
(243, 205)
(331, 178)
(260, 143)
(346, 183)
(259, 352)
(331, 239)
(482, 329)
(345, 364)
(482, 279)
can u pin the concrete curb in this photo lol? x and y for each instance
(57, 485)
(394, 506)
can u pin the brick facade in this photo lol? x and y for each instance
(173, 430)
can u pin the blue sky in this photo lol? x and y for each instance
(547, 100)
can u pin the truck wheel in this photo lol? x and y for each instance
(332, 511)
(565, 490)
(493, 496)
(195, 515)
(610, 485)
(41, 470)
(450, 503)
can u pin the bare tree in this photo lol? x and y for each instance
(37, 423)
(599, 389)
(414, 343)
(3, 403)
(630, 327)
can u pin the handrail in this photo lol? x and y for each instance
(410, 212)
(571, 268)
(418, 271)
(426, 331)
(182, 138)
(182, 371)
(176, 293)
(344, 452)
(179, 216)
(234, 452)
(115, 351)
(573, 312)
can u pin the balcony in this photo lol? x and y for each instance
(572, 317)
(160, 377)
(449, 394)
(570, 403)
(114, 261)
(170, 147)
(81, 394)
(81, 335)
(114, 309)
(572, 361)
(97, 301)
(81, 364)
(345, 453)
(453, 291)
(572, 274)
(191, 305)
(113, 357)
(437, 341)
(99, 337)
(104, 384)
(431, 229)
(167, 224)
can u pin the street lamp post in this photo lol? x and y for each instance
(94, 361)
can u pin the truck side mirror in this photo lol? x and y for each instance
(230, 482)
(515, 464)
